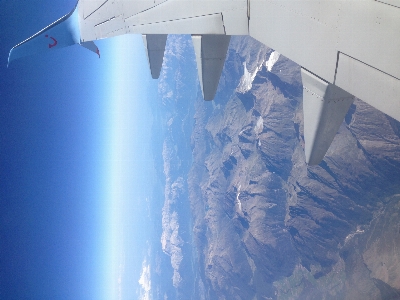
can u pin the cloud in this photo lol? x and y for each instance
(145, 282)
(171, 242)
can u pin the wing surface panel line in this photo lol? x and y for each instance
(95, 10)
(223, 24)
(337, 66)
(138, 13)
(188, 18)
(101, 23)
(370, 65)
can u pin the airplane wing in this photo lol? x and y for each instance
(346, 48)
(350, 45)
(63, 32)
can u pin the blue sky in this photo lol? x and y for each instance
(74, 162)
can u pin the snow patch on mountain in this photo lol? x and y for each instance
(246, 82)
(273, 58)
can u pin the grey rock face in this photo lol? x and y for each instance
(268, 226)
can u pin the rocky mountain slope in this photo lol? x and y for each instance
(266, 225)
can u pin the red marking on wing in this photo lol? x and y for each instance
(54, 42)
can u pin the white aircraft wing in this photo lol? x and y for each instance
(351, 45)
(346, 48)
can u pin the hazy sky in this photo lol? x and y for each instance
(74, 162)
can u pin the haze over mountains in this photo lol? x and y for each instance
(263, 224)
